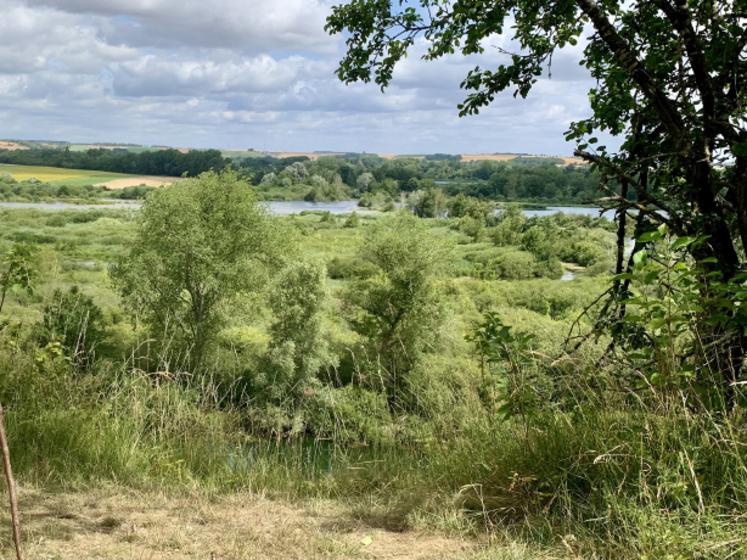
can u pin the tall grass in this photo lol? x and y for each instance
(596, 469)
(648, 478)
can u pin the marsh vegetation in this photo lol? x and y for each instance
(421, 370)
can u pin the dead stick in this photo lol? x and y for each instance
(11, 487)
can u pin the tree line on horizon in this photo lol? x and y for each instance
(339, 177)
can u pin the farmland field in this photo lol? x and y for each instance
(130, 148)
(7, 145)
(80, 177)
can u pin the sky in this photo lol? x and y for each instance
(251, 74)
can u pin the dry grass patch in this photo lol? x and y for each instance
(113, 523)
(125, 182)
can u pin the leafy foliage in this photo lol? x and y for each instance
(396, 311)
(298, 353)
(73, 320)
(671, 80)
(17, 271)
(159, 162)
(198, 244)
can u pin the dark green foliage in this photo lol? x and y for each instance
(661, 335)
(512, 383)
(348, 268)
(396, 311)
(670, 81)
(74, 321)
(298, 354)
(428, 203)
(376, 181)
(160, 162)
(17, 270)
(507, 434)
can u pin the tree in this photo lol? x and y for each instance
(428, 203)
(672, 82)
(297, 350)
(397, 310)
(364, 182)
(198, 244)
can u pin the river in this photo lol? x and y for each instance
(284, 208)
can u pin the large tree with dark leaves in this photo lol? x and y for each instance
(671, 81)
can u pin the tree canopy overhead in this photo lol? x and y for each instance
(671, 83)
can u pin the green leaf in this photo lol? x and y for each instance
(681, 242)
(649, 236)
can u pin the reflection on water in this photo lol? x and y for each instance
(289, 207)
(572, 210)
(567, 276)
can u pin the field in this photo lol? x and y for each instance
(130, 148)
(567, 160)
(81, 177)
(5, 145)
(237, 153)
(508, 157)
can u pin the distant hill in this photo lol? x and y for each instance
(251, 153)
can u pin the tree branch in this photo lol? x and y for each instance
(630, 62)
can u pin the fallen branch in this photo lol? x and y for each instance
(11, 487)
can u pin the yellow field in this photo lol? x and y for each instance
(80, 177)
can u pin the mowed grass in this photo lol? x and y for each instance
(59, 176)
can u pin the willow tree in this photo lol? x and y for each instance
(671, 82)
(198, 245)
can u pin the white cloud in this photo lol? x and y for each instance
(250, 24)
(241, 73)
(151, 75)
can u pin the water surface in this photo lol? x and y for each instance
(289, 207)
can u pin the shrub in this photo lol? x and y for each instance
(72, 319)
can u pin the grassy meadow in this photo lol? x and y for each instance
(536, 452)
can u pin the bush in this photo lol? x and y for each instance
(514, 264)
(73, 320)
(348, 268)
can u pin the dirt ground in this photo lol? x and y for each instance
(119, 524)
(137, 181)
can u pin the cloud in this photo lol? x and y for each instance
(151, 75)
(250, 73)
(256, 25)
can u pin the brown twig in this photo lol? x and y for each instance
(11, 487)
